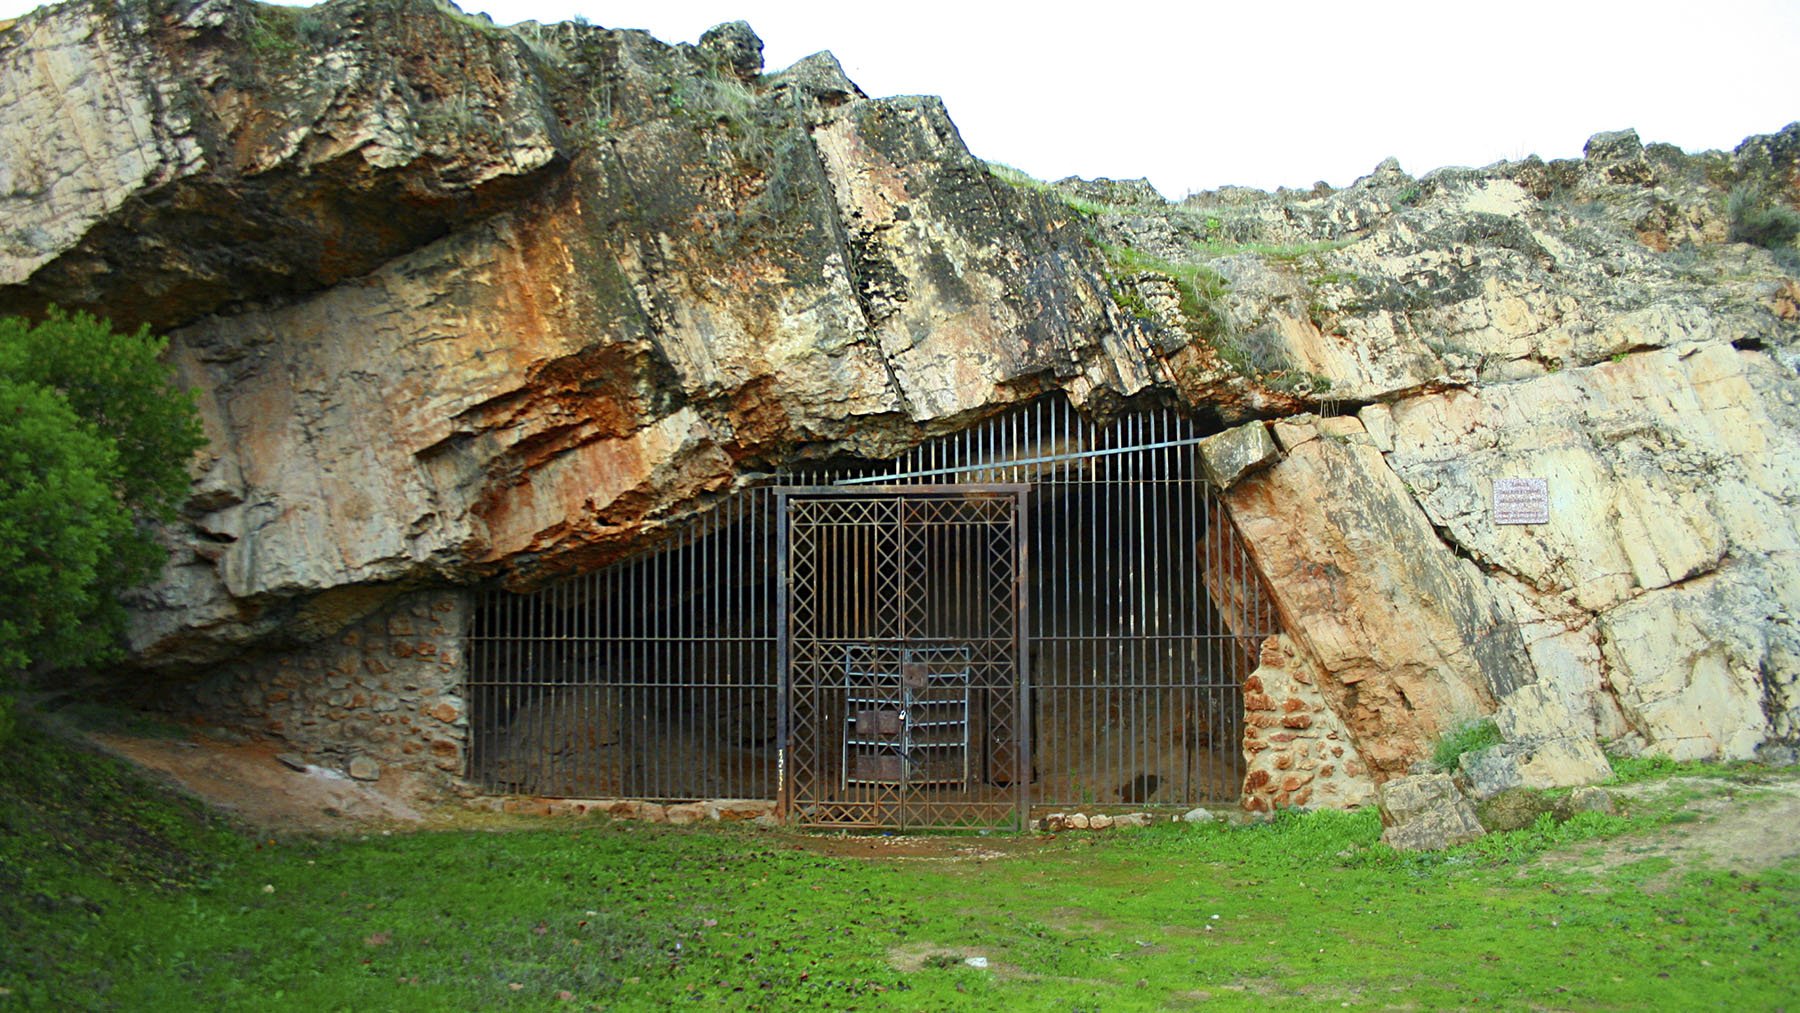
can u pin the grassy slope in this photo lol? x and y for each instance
(84, 843)
(114, 895)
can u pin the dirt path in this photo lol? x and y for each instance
(248, 781)
(1739, 825)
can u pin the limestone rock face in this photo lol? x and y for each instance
(1547, 745)
(1406, 633)
(165, 160)
(465, 302)
(1466, 276)
(1654, 609)
(648, 271)
(1232, 454)
(1673, 476)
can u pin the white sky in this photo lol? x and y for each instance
(1202, 94)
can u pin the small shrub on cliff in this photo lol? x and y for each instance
(94, 445)
(1760, 219)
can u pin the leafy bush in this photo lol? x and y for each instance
(59, 520)
(94, 444)
(1466, 737)
(1760, 219)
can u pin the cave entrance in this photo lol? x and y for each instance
(694, 670)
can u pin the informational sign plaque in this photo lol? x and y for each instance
(1521, 501)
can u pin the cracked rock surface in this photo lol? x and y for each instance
(466, 302)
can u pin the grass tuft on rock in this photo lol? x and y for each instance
(1466, 737)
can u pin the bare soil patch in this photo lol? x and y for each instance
(1738, 826)
(246, 780)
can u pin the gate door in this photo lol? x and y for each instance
(904, 676)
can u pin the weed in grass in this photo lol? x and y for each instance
(1633, 769)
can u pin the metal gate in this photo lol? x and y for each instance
(1117, 583)
(903, 672)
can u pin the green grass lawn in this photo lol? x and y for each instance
(115, 895)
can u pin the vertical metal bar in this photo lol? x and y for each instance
(1071, 575)
(724, 622)
(590, 677)
(557, 676)
(618, 664)
(1030, 427)
(1182, 593)
(783, 660)
(1109, 599)
(709, 718)
(525, 649)
(540, 653)
(503, 665)
(667, 724)
(748, 608)
(690, 701)
(1023, 664)
(627, 589)
(1130, 525)
(741, 609)
(473, 657)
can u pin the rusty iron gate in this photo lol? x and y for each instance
(902, 657)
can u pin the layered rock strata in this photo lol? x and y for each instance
(466, 302)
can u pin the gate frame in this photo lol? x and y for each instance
(1016, 491)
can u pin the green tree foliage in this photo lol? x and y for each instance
(94, 444)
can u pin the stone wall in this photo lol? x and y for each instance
(1297, 752)
(384, 695)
